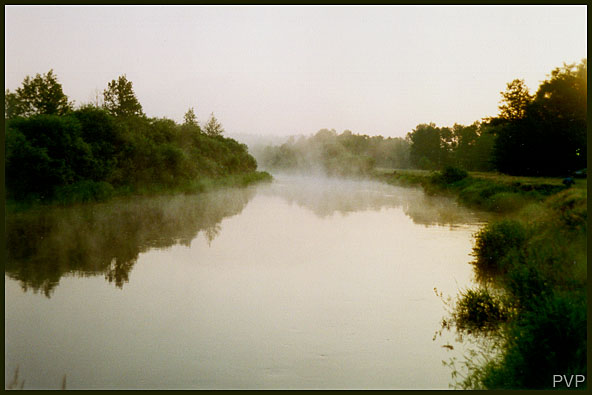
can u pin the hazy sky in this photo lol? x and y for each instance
(295, 69)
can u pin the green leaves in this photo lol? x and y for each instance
(56, 153)
(190, 119)
(213, 127)
(544, 135)
(39, 95)
(43, 152)
(515, 100)
(120, 99)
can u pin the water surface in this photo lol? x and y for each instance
(302, 283)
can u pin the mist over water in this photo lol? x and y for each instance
(307, 282)
(325, 195)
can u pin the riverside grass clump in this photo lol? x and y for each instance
(539, 267)
(494, 243)
(479, 310)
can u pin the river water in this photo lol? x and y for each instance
(299, 284)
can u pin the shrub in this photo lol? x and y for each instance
(494, 242)
(477, 310)
(549, 339)
(449, 175)
(453, 174)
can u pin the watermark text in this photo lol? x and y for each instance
(562, 380)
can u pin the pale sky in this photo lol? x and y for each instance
(284, 70)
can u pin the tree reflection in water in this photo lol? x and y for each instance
(325, 196)
(106, 238)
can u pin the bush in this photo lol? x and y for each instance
(477, 310)
(449, 175)
(44, 152)
(453, 174)
(547, 340)
(494, 242)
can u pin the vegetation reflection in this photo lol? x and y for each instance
(325, 196)
(107, 238)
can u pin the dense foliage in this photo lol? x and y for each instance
(546, 133)
(467, 147)
(42, 94)
(345, 154)
(56, 152)
(538, 135)
(541, 267)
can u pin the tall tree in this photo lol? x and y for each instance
(550, 138)
(564, 95)
(42, 94)
(13, 107)
(515, 100)
(213, 127)
(425, 146)
(190, 118)
(120, 99)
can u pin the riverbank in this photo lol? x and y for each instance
(484, 191)
(531, 267)
(86, 192)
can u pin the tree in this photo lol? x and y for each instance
(120, 99)
(213, 127)
(100, 131)
(515, 101)
(465, 138)
(42, 94)
(564, 95)
(13, 106)
(190, 118)
(425, 146)
(550, 136)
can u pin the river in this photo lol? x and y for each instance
(302, 283)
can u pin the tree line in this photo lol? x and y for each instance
(345, 154)
(544, 134)
(54, 150)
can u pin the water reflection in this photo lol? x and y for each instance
(107, 238)
(315, 284)
(327, 196)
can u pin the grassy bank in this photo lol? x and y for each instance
(88, 191)
(484, 191)
(531, 267)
